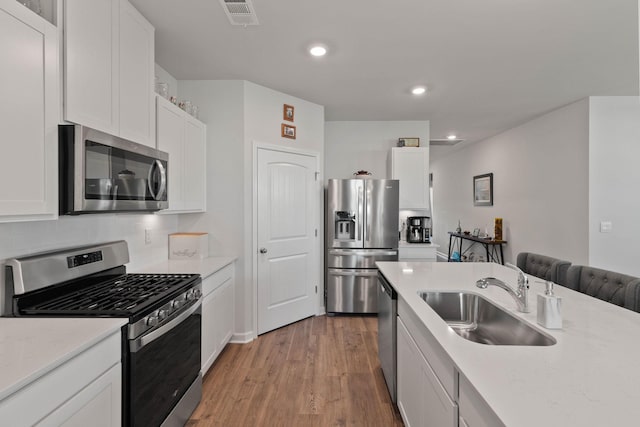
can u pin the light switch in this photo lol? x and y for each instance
(606, 226)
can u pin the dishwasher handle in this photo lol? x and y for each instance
(386, 287)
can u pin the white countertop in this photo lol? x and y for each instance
(590, 377)
(204, 267)
(31, 347)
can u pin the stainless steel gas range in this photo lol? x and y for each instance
(162, 383)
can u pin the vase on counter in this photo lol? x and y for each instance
(459, 228)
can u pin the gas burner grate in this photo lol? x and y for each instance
(119, 296)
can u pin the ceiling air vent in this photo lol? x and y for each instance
(239, 12)
(445, 142)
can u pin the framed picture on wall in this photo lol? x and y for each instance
(288, 131)
(287, 112)
(483, 190)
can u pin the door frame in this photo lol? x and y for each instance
(254, 225)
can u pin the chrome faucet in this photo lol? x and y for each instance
(520, 295)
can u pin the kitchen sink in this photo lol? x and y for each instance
(477, 319)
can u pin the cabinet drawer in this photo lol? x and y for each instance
(213, 282)
(38, 399)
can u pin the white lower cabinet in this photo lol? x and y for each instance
(94, 406)
(217, 314)
(84, 391)
(474, 411)
(417, 253)
(422, 399)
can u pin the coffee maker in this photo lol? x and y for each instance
(419, 229)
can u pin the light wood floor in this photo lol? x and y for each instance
(322, 371)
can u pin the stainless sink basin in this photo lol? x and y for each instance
(477, 319)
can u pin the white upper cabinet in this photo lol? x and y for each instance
(30, 113)
(109, 68)
(410, 165)
(184, 138)
(195, 163)
(137, 107)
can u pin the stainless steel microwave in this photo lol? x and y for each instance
(103, 173)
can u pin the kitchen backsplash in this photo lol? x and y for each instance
(24, 238)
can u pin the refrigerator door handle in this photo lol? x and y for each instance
(351, 252)
(359, 222)
(361, 273)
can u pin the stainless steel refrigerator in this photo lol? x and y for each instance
(361, 228)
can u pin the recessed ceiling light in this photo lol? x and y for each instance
(451, 137)
(318, 50)
(418, 90)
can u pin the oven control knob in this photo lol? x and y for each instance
(175, 304)
(189, 295)
(151, 320)
(162, 314)
(197, 293)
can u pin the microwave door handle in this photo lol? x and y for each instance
(157, 164)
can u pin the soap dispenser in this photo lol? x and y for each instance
(549, 306)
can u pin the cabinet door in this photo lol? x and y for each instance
(226, 302)
(30, 114)
(473, 409)
(170, 123)
(136, 100)
(209, 331)
(91, 63)
(195, 158)
(217, 314)
(410, 165)
(97, 405)
(422, 400)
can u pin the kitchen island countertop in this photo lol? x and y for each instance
(590, 377)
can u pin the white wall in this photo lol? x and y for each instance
(25, 238)
(238, 114)
(366, 145)
(540, 172)
(614, 180)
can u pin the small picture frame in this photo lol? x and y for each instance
(476, 232)
(483, 190)
(288, 112)
(288, 131)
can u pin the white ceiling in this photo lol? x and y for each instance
(489, 64)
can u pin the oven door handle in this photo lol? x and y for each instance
(137, 344)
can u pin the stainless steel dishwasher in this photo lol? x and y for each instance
(387, 320)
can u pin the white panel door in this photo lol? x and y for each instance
(287, 221)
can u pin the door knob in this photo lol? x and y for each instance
(263, 250)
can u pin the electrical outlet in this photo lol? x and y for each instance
(606, 226)
(147, 236)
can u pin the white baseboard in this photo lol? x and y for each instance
(321, 311)
(242, 338)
